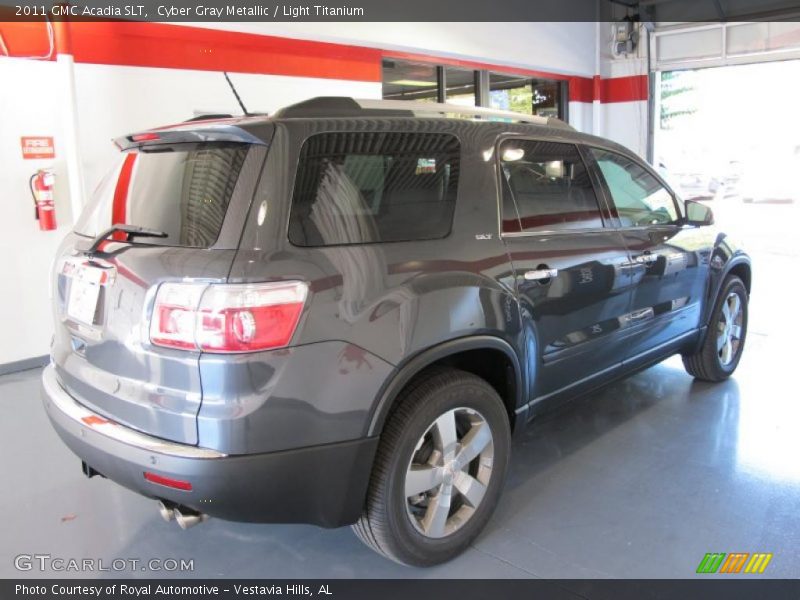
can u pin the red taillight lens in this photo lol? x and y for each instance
(145, 137)
(227, 318)
(175, 315)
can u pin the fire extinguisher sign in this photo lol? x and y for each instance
(37, 146)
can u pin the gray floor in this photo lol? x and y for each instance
(640, 480)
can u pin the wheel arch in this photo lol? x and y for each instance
(738, 265)
(480, 354)
(743, 270)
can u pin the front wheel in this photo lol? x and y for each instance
(719, 355)
(439, 469)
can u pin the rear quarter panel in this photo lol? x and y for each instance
(385, 303)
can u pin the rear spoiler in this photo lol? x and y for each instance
(194, 133)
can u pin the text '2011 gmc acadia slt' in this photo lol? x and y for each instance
(339, 314)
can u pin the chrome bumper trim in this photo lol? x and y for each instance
(67, 405)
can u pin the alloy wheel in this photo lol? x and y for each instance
(449, 472)
(729, 329)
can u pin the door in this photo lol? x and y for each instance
(668, 258)
(569, 266)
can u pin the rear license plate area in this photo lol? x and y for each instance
(85, 293)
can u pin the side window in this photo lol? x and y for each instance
(358, 188)
(638, 197)
(546, 187)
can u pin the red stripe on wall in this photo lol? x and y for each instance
(581, 89)
(26, 40)
(624, 89)
(175, 47)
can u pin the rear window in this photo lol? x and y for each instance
(358, 188)
(183, 190)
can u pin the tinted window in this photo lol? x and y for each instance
(182, 190)
(355, 188)
(638, 197)
(548, 185)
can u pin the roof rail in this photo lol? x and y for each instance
(209, 117)
(335, 106)
(453, 109)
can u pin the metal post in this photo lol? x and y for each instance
(482, 88)
(597, 122)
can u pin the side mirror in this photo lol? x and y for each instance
(698, 214)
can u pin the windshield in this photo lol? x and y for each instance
(182, 190)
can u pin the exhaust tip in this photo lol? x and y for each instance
(187, 518)
(167, 513)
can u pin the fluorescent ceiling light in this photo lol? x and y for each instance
(414, 83)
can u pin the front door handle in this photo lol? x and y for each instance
(540, 274)
(641, 260)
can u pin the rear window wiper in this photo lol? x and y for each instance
(132, 231)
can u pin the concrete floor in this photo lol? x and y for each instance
(639, 480)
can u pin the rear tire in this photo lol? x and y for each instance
(719, 355)
(439, 469)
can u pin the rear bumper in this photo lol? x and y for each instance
(322, 485)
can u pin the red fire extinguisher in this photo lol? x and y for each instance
(42, 183)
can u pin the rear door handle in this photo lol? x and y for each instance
(646, 259)
(539, 274)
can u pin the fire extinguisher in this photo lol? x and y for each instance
(41, 184)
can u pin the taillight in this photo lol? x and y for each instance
(145, 137)
(227, 318)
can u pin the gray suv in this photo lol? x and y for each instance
(341, 313)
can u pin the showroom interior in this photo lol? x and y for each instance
(638, 479)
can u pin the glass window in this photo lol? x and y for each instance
(459, 86)
(546, 98)
(355, 188)
(638, 197)
(524, 95)
(548, 186)
(410, 81)
(182, 190)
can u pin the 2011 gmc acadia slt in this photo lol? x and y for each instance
(340, 313)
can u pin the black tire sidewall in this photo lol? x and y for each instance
(469, 392)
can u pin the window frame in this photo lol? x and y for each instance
(482, 79)
(296, 171)
(602, 202)
(586, 149)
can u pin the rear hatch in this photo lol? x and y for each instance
(189, 189)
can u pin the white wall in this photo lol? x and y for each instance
(624, 122)
(27, 108)
(567, 48)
